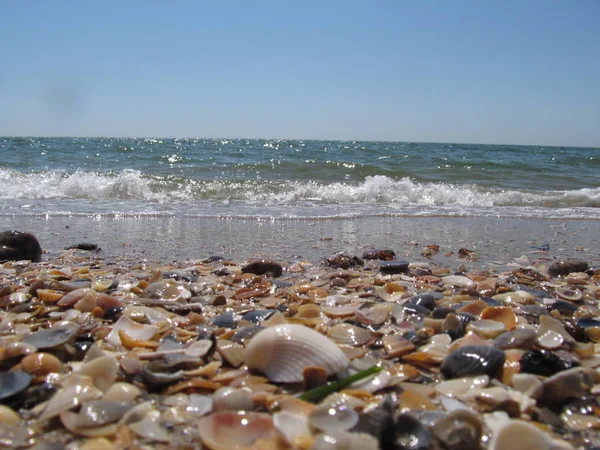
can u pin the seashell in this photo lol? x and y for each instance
(550, 340)
(11, 383)
(41, 364)
(458, 281)
(104, 285)
(75, 296)
(473, 360)
(49, 296)
(131, 343)
(349, 334)
(70, 421)
(51, 337)
(375, 315)
(412, 433)
(166, 290)
(225, 320)
(528, 384)
(396, 345)
(102, 370)
(569, 293)
(231, 399)
(232, 352)
(122, 392)
(460, 429)
(571, 383)
(523, 435)
(8, 417)
(283, 351)
(500, 314)
(426, 300)
(342, 310)
(258, 315)
(132, 329)
(460, 386)
(291, 426)
(97, 413)
(344, 440)
(199, 405)
(191, 384)
(229, 430)
(77, 389)
(517, 338)
(98, 444)
(487, 329)
(149, 428)
(333, 418)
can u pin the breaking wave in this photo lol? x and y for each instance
(134, 185)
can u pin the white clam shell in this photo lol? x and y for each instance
(458, 281)
(333, 418)
(283, 351)
(523, 435)
(291, 426)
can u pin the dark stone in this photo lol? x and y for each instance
(563, 307)
(441, 312)
(343, 261)
(84, 246)
(17, 245)
(544, 247)
(559, 268)
(465, 317)
(425, 300)
(214, 258)
(264, 267)
(411, 308)
(392, 267)
(383, 255)
(112, 314)
(472, 360)
(491, 301)
(223, 272)
(543, 362)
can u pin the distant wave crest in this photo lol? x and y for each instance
(134, 185)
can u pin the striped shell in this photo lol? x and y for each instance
(283, 351)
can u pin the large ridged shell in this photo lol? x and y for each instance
(283, 351)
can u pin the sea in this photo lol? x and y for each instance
(185, 198)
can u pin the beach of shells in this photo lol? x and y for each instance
(353, 352)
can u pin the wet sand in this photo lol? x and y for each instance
(496, 240)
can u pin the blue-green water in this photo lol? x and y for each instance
(294, 179)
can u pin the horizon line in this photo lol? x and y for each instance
(298, 139)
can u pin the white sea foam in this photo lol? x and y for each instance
(380, 191)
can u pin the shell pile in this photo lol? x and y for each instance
(218, 354)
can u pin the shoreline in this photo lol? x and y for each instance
(163, 239)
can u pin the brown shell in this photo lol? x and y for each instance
(41, 364)
(49, 296)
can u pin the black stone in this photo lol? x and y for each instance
(411, 308)
(545, 363)
(566, 267)
(264, 267)
(17, 245)
(343, 261)
(392, 267)
(563, 307)
(181, 275)
(425, 300)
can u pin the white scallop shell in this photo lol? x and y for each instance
(283, 351)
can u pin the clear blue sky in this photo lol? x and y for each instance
(522, 72)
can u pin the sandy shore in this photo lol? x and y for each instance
(168, 239)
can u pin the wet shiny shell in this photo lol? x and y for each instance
(12, 383)
(473, 360)
(52, 337)
(283, 351)
(344, 333)
(41, 364)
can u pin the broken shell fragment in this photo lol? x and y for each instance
(283, 351)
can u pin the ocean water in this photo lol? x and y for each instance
(283, 179)
(175, 199)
